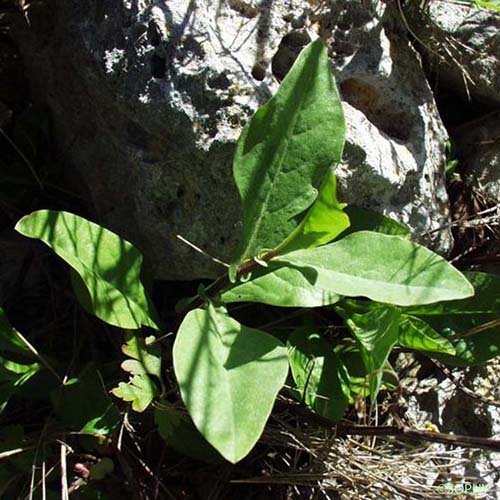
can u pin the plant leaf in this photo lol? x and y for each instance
(229, 376)
(383, 268)
(355, 379)
(456, 318)
(108, 265)
(325, 220)
(486, 299)
(145, 352)
(12, 376)
(315, 370)
(417, 334)
(178, 430)
(363, 219)
(376, 332)
(140, 391)
(280, 285)
(284, 152)
(9, 340)
(83, 404)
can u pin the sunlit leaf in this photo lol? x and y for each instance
(145, 354)
(325, 220)
(383, 268)
(139, 390)
(285, 151)
(13, 376)
(9, 340)
(229, 376)
(280, 285)
(417, 334)
(108, 265)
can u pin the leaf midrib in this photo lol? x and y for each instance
(263, 208)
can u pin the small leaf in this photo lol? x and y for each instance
(13, 376)
(107, 265)
(285, 151)
(280, 285)
(83, 404)
(383, 268)
(355, 379)
(376, 332)
(145, 351)
(229, 376)
(325, 220)
(140, 391)
(9, 340)
(315, 369)
(179, 432)
(459, 317)
(363, 219)
(417, 334)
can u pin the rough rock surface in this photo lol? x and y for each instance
(148, 98)
(467, 40)
(435, 399)
(478, 145)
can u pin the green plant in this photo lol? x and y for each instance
(300, 248)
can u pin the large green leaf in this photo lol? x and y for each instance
(376, 332)
(83, 404)
(284, 152)
(325, 220)
(318, 374)
(415, 333)
(280, 285)
(384, 268)
(108, 265)
(229, 376)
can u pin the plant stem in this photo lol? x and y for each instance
(398, 431)
(223, 282)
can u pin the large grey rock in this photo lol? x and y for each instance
(464, 42)
(149, 97)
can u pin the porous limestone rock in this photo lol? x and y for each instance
(149, 96)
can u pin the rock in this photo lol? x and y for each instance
(435, 399)
(148, 99)
(464, 43)
(478, 147)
